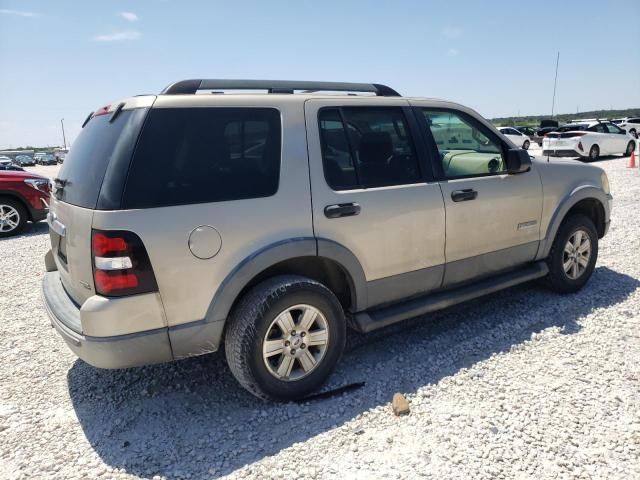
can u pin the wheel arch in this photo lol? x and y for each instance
(322, 260)
(586, 200)
(18, 197)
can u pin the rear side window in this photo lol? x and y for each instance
(366, 147)
(199, 155)
(99, 143)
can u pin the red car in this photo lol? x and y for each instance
(24, 197)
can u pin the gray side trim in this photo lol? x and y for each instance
(580, 193)
(372, 320)
(480, 266)
(195, 338)
(251, 266)
(345, 257)
(405, 285)
(59, 304)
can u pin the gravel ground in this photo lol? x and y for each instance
(521, 384)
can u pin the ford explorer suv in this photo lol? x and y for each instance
(24, 197)
(271, 223)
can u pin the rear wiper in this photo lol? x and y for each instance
(86, 120)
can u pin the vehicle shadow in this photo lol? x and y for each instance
(30, 230)
(192, 417)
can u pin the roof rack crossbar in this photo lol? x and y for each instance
(276, 86)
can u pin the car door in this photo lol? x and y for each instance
(600, 137)
(617, 138)
(492, 218)
(372, 194)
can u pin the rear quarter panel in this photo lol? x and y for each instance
(188, 284)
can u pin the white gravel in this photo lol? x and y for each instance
(521, 384)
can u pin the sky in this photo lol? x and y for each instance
(63, 59)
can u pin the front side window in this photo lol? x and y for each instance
(463, 147)
(199, 155)
(367, 147)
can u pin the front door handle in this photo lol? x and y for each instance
(464, 195)
(342, 210)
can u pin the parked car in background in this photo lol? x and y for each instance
(7, 164)
(24, 197)
(25, 161)
(198, 225)
(532, 133)
(516, 136)
(630, 124)
(45, 159)
(541, 132)
(588, 141)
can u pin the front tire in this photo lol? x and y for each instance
(573, 254)
(13, 217)
(285, 337)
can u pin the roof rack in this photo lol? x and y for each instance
(276, 86)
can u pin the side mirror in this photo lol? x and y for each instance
(518, 161)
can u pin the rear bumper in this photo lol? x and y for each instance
(562, 153)
(122, 351)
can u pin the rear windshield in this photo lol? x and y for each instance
(99, 144)
(197, 155)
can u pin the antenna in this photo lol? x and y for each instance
(555, 82)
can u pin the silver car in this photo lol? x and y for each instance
(272, 223)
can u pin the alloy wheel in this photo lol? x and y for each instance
(295, 343)
(576, 255)
(9, 218)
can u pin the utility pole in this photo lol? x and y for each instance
(64, 139)
(555, 82)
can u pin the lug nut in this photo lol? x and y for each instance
(303, 334)
(303, 346)
(293, 351)
(293, 332)
(286, 344)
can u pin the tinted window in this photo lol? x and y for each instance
(598, 128)
(98, 144)
(464, 147)
(612, 128)
(198, 155)
(367, 147)
(572, 127)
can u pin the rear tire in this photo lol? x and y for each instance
(13, 217)
(573, 254)
(526, 145)
(265, 340)
(630, 148)
(594, 153)
(634, 133)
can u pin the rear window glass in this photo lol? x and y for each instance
(99, 143)
(198, 155)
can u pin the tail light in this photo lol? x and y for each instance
(121, 265)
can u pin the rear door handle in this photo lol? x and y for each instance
(464, 195)
(342, 210)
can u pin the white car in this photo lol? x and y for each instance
(519, 138)
(630, 124)
(588, 140)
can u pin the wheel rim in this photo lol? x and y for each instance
(576, 255)
(630, 148)
(594, 153)
(9, 218)
(295, 343)
(526, 145)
